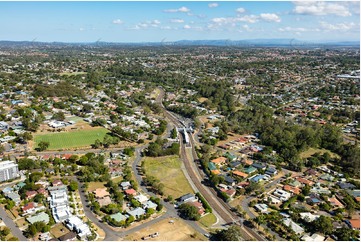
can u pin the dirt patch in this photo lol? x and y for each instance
(21, 222)
(59, 230)
(176, 231)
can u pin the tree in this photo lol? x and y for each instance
(43, 145)
(323, 224)
(2, 149)
(189, 212)
(174, 133)
(73, 186)
(233, 233)
(59, 116)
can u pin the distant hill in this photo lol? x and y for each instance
(223, 42)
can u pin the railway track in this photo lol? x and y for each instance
(210, 195)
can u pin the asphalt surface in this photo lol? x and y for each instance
(11, 225)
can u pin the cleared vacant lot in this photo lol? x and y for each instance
(71, 139)
(175, 231)
(168, 170)
(311, 151)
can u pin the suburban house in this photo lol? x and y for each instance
(271, 171)
(59, 203)
(282, 195)
(77, 225)
(118, 217)
(125, 185)
(304, 181)
(41, 217)
(136, 213)
(313, 238)
(131, 192)
(259, 166)
(240, 174)
(335, 203)
(100, 193)
(250, 169)
(353, 223)
(29, 208)
(187, 198)
(294, 190)
(261, 207)
(30, 194)
(220, 161)
(294, 226)
(309, 217)
(198, 206)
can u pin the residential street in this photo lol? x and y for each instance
(11, 225)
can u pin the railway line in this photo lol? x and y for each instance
(210, 195)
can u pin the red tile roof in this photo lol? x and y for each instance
(239, 173)
(355, 223)
(219, 160)
(130, 191)
(28, 206)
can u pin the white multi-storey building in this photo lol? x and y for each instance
(8, 170)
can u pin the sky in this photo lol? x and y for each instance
(164, 21)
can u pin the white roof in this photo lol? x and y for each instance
(295, 227)
(313, 238)
(309, 217)
(141, 198)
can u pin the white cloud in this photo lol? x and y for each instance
(249, 19)
(220, 20)
(338, 27)
(187, 26)
(321, 8)
(213, 5)
(147, 24)
(177, 20)
(181, 10)
(240, 10)
(291, 29)
(81, 29)
(246, 27)
(270, 17)
(117, 21)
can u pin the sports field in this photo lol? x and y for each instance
(72, 139)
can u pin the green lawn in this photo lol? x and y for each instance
(71, 139)
(168, 170)
(208, 220)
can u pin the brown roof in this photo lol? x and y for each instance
(247, 162)
(294, 190)
(335, 202)
(304, 181)
(57, 183)
(219, 160)
(101, 192)
(216, 172)
(31, 193)
(355, 223)
(239, 173)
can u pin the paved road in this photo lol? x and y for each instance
(11, 225)
(109, 233)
